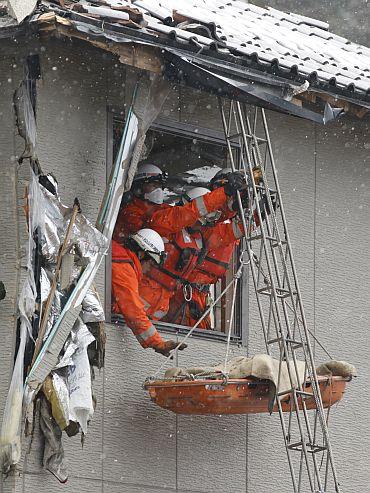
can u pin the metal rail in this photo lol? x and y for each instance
(279, 299)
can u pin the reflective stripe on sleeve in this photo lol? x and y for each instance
(148, 333)
(146, 303)
(201, 206)
(159, 314)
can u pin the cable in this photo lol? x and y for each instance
(236, 277)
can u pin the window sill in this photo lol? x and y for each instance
(182, 330)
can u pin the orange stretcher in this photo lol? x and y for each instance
(235, 396)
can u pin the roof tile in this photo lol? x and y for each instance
(246, 30)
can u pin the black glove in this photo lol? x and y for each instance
(235, 182)
(168, 346)
(264, 206)
(245, 201)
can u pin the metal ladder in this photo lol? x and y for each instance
(279, 300)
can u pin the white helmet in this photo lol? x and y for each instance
(149, 172)
(194, 193)
(151, 242)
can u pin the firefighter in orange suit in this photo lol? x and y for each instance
(192, 298)
(161, 282)
(126, 276)
(147, 210)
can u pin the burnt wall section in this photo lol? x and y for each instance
(132, 446)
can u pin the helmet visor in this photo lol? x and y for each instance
(154, 178)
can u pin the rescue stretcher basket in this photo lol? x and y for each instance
(234, 396)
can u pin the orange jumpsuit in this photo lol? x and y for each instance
(169, 222)
(126, 277)
(163, 218)
(220, 241)
(160, 282)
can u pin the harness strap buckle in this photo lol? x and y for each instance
(187, 289)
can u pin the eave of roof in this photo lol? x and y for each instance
(244, 67)
(292, 46)
(113, 36)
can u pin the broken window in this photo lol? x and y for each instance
(191, 157)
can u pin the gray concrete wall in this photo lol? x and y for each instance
(324, 176)
(132, 446)
(12, 229)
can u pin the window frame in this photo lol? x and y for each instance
(208, 135)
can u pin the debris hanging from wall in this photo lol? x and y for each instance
(64, 328)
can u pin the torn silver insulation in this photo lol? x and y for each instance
(87, 240)
(55, 311)
(44, 285)
(10, 437)
(92, 310)
(148, 106)
(81, 407)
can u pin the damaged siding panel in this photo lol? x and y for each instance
(10, 273)
(71, 119)
(71, 116)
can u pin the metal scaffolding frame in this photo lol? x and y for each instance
(279, 299)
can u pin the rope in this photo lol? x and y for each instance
(236, 276)
(230, 324)
(204, 375)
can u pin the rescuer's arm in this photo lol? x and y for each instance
(126, 292)
(130, 220)
(173, 219)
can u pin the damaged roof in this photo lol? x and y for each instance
(288, 41)
(285, 45)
